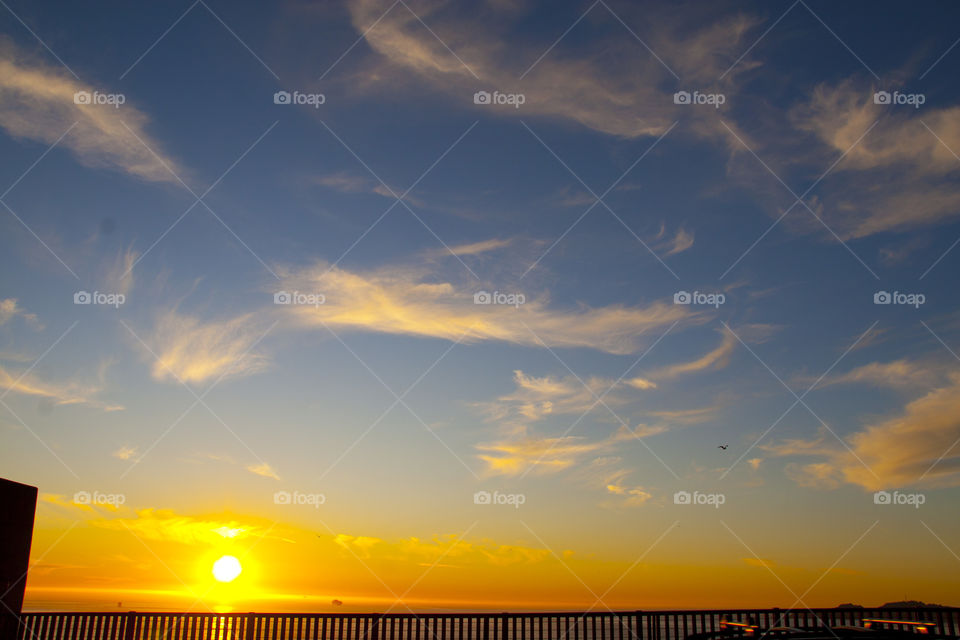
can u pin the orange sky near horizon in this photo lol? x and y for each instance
(118, 558)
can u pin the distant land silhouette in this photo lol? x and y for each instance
(901, 604)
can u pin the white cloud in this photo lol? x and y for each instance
(582, 87)
(263, 469)
(917, 447)
(633, 496)
(10, 309)
(899, 176)
(896, 374)
(474, 248)
(119, 276)
(714, 359)
(515, 455)
(345, 182)
(193, 350)
(682, 241)
(125, 453)
(535, 398)
(413, 302)
(61, 393)
(640, 383)
(37, 103)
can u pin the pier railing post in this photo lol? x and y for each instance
(129, 628)
(248, 621)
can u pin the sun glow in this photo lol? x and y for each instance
(226, 569)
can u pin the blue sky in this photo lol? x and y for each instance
(796, 201)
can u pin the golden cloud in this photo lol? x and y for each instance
(60, 393)
(167, 525)
(516, 455)
(37, 103)
(917, 447)
(411, 302)
(192, 350)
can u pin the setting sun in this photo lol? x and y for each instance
(226, 569)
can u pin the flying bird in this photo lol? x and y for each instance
(722, 446)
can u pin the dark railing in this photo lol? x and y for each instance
(621, 625)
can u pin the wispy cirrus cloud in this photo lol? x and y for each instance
(682, 241)
(718, 357)
(628, 495)
(474, 248)
(407, 301)
(196, 351)
(450, 548)
(125, 453)
(169, 526)
(919, 446)
(715, 359)
(118, 277)
(37, 103)
(901, 373)
(352, 183)
(75, 392)
(899, 176)
(517, 454)
(345, 182)
(535, 398)
(263, 469)
(583, 88)
(668, 245)
(10, 309)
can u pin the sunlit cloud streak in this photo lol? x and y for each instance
(37, 102)
(415, 302)
(916, 447)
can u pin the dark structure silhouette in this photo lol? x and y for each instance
(733, 624)
(18, 506)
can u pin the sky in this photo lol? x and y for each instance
(423, 305)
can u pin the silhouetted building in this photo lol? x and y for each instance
(18, 506)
